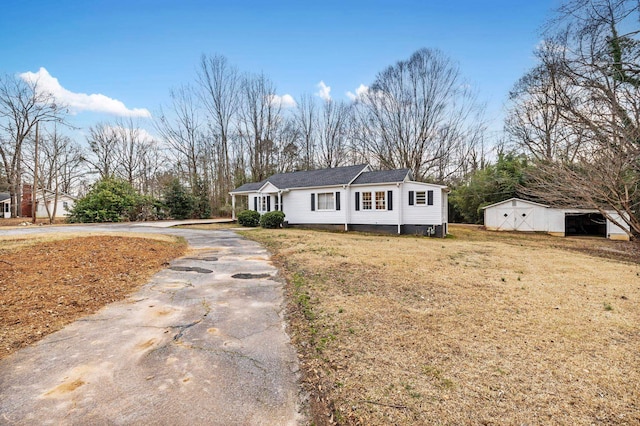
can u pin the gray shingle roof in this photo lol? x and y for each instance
(383, 176)
(253, 186)
(310, 178)
(4, 196)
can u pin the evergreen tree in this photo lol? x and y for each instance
(496, 182)
(178, 200)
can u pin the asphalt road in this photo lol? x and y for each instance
(194, 346)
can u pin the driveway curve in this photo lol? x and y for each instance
(203, 342)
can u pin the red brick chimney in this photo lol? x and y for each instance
(26, 202)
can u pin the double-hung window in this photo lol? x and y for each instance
(366, 201)
(376, 200)
(381, 201)
(421, 197)
(326, 201)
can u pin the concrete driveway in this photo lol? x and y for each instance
(203, 343)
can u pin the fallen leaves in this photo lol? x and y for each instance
(48, 285)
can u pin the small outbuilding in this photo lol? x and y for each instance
(516, 214)
(47, 204)
(5, 205)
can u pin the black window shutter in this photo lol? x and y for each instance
(313, 202)
(255, 203)
(268, 203)
(430, 198)
(411, 195)
(337, 201)
(389, 200)
(357, 201)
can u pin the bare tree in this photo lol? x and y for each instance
(333, 133)
(219, 83)
(22, 105)
(102, 141)
(535, 123)
(131, 151)
(60, 166)
(287, 153)
(183, 130)
(259, 121)
(306, 121)
(600, 101)
(416, 113)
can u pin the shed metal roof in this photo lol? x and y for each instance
(516, 199)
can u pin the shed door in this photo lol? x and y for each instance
(523, 219)
(505, 219)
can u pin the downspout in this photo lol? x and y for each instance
(347, 209)
(400, 204)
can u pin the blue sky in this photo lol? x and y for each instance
(135, 51)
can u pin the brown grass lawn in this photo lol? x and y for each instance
(479, 328)
(49, 281)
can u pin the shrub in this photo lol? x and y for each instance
(249, 218)
(272, 219)
(109, 200)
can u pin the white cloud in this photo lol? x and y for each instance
(360, 91)
(77, 102)
(284, 101)
(325, 91)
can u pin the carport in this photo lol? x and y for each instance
(587, 224)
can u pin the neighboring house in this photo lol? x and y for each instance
(351, 198)
(515, 214)
(5, 205)
(45, 205)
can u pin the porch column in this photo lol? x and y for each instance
(233, 206)
(280, 200)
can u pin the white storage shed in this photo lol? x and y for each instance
(516, 214)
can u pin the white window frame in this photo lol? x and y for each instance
(380, 203)
(367, 204)
(330, 206)
(422, 202)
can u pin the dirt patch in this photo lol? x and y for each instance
(27, 221)
(46, 283)
(479, 328)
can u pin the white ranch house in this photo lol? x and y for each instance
(516, 214)
(352, 198)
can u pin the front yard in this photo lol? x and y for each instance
(479, 328)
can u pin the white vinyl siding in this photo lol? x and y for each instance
(427, 207)
(296, 205)
(377, 197)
